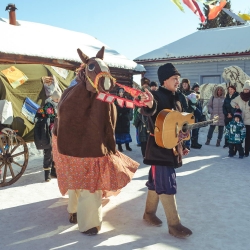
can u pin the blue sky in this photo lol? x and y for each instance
(132, 27)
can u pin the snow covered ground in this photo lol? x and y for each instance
(213, 201)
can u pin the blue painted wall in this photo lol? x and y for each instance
(202, 72)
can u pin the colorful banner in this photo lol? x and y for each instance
(105, 97)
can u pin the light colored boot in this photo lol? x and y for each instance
(174, 225)
(151, 207)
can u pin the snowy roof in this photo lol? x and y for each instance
(35, 39)
(217, 41)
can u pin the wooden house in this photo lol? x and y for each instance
(202, 56)
(34, 43)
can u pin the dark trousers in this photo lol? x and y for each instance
(137, 137)
(227, 120)
(143, 148)
(195, 133)
(233, 147)
(211, 131)
(247, 140)
(47, 158)
(162, 179)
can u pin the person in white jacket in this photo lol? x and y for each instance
(243, 102)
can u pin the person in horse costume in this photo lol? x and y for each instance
(88, 165)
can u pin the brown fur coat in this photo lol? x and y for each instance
(85, 126)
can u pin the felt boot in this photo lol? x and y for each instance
(195, 144)
(127, 147)
(47, 174)
(207, 142)
(218, 143)
(174, 225)
(151, 207)
(120, 147)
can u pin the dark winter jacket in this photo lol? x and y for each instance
(123, 120)
(155, 155)
(235, 132)
(183, 101)
(227, 108)
(188, 108)
(141, 123)
(198, 111)
(44, 120)
(48, 111)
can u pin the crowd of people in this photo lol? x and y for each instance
(224, 105)
(232, 108)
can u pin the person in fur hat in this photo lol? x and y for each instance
(185, 87)
(243, 102)
(162, 177)
(145, 83)
(235, 134)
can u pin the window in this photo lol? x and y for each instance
(211, 79)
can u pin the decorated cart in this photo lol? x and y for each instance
(23, 89)
(30, 57)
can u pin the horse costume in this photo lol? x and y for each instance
(87, 163)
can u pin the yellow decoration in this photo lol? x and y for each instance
(245, 17)
(178, 4)
(14, 76)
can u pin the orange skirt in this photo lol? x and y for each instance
(107, 173)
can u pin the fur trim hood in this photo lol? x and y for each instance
(216, 90)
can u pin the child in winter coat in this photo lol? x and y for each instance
(235, 134)
(49, 111)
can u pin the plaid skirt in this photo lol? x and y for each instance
(123, 138)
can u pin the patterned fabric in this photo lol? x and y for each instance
(123, 138)
(48, 111)
(235, 132)
(107, 173)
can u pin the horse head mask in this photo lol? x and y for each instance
(95, 73)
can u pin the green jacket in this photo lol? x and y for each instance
(235, 132)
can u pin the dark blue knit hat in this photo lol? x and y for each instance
(238, 113)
